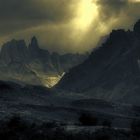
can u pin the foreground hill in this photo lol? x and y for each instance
(112, 71)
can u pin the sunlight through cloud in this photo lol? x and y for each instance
(86, 13)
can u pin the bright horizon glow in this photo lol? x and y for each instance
(86, 13)
(134, 0)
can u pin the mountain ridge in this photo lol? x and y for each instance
(33, 65)
(112, 71)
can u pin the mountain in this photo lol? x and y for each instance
(33, 65)
(112, 71)
(14, 51)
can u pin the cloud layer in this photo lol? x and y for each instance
(52, 21)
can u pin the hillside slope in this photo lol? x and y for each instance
(112, 71)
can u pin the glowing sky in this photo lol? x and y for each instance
(65, 25)
(134, 0)
(85, 11)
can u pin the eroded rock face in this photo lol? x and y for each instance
(14, 51)
(112, 71)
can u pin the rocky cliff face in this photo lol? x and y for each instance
(112, 71)
(33, 65)
(14, 51)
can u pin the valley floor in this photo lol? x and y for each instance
(66, 109)
(78, 115)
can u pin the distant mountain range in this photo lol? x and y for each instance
(112, 71)
(33, 65)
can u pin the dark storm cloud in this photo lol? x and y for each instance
(53, 10)
(52, 22)
(109, 8)
(123, 12)
(20, 14)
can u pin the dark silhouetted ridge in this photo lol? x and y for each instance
(112, 71)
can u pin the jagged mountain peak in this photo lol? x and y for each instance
(34, 48)
(15, 42)
(137, 28)
(14, 51)
(34, 43)
(33, 64)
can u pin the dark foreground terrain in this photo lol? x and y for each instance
(16, 128)
(37, 113)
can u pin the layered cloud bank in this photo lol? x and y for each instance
(66, 25)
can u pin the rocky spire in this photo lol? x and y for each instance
(34, 43)
(34, 48)
(137, 28)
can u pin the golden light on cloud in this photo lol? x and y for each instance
(134, 0)
(86, 13)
